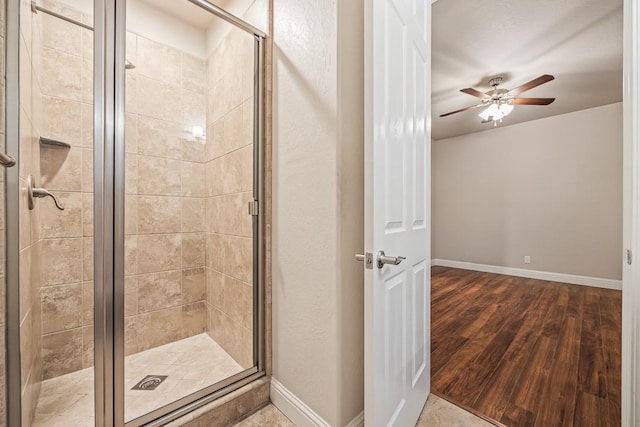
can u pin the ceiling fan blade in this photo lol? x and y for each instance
(474, 92)
(461, 110)
(530, 85)
(532, 101)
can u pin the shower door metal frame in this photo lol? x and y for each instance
(108, 174)
(12, 214)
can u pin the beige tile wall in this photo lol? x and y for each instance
(165, 202)
(165, 205)
(29, 233)
(229, 178)
(65, 280)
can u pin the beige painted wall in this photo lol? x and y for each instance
(550, 189)
(350, 208)
(317, 204)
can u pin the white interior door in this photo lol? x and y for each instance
(397, 209)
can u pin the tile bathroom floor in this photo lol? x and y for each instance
(267, 416)
(437, 412)
(190, 365)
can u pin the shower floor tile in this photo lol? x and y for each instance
(190, 365)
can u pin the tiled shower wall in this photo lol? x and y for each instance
(229, 178)
(66, 257)
(31, 242)
(165, 239)
(188, 243)
(165, 204)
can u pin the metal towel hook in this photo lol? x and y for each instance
(33, 191)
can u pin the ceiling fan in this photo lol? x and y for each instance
(500, 102)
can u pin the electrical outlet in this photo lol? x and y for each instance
(527, 259)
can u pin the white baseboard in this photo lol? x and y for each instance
(358, 421)
(298, 412)
(293, 408)
(532, 274)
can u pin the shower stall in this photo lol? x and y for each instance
(134, 226)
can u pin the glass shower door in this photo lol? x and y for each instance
(55, 213)
(53, 241)
(190, 286)
(135, 208)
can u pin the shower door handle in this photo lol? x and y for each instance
(6, 160)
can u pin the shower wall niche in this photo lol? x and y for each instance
(190, 263)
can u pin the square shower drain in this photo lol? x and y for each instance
(150, 382)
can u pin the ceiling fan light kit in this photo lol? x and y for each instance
(500, 102)
(495, 112)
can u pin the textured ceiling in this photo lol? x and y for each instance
(577, 41)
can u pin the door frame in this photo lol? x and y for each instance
(631, 216)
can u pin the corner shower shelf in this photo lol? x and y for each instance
(53, 143)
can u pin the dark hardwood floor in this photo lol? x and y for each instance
(526, 352)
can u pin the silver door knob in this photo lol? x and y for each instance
(382, 259)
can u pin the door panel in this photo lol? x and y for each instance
(397, 307)
(419, 322)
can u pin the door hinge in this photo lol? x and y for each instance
(629, 256)
(254, 208)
